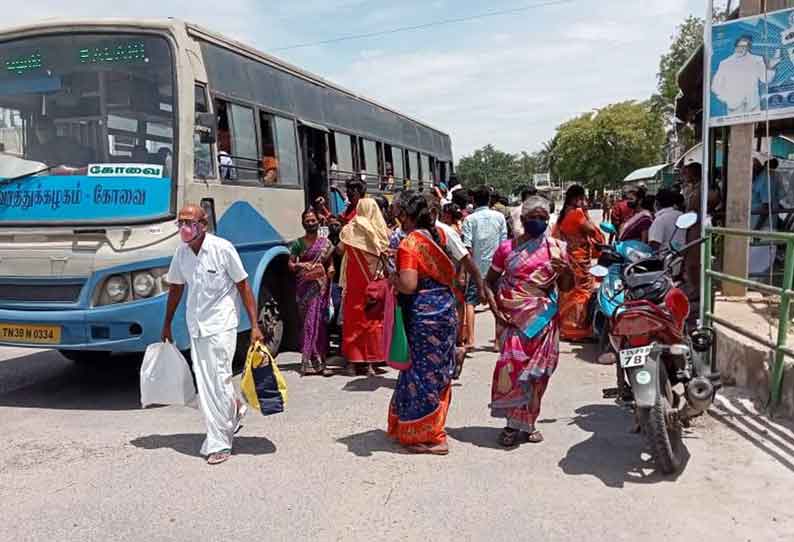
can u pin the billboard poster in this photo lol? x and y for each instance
(752, 69)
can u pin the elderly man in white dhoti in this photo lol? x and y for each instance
(738, 76)
(215, 278)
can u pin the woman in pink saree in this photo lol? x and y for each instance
(524, 281)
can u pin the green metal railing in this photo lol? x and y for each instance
(786, 293)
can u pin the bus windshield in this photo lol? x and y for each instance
(94, 116)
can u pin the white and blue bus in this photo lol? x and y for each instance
(108, 127)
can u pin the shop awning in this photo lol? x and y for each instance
(644, 174)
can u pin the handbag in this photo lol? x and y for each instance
(263, 385)
(376, 292)
(395, 338)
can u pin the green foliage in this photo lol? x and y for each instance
(600, 149)
(508, 173)
(686, 40)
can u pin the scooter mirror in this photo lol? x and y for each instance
(606, 227)
(599, 271)
(686, 221)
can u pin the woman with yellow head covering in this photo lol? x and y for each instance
(365, 242)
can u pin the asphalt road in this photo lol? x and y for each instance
(80, 461)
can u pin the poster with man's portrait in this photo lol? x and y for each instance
(752, 69)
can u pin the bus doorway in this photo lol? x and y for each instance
(314, 153)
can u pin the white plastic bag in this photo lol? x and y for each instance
(165, 377)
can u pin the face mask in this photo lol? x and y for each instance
(632, 204)
(189, 232)
(311, 228)
(534, 227)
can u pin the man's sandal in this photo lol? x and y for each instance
(535, 437)
(219, 457)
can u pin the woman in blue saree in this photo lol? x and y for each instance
(425, 278)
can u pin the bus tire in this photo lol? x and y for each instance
(270, 320)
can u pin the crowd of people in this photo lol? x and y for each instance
(443, 252)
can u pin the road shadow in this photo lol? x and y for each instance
(774, 438)
(480, 436)
(190, 444)
(587, 352)
(612, 453)
(370, 383)
(367, 443)
(47, 380)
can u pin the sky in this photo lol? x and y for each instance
(507, 80)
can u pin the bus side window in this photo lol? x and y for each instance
(287, 151)
(269, 166)
(202, 152)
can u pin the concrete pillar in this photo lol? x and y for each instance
(737, 208)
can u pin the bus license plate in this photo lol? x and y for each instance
(30, 334)
(635, 357)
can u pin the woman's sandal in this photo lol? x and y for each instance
(508, 437)
(437, 449)
(219, 457)
(535, 437)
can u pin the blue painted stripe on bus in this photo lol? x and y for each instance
(242, 225)
(76, 325)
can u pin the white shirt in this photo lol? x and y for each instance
(211, 277)
(663, 228)
(454, 246)
(736, 82)
(515, 221)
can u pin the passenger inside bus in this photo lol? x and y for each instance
(270, 169)
(55, 150)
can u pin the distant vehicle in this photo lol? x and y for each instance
(108, 127)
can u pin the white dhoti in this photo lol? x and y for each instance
(212, 364)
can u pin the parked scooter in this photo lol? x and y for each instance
(609, 295)
(666, 368)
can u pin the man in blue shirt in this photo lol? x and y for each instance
(483, 231)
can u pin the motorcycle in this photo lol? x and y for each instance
(666, 369)
(609, 295)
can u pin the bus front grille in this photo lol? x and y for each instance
(52, 293)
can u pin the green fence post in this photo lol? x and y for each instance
(706, 303)
(783, 322)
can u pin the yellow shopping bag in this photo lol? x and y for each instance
(263, 386)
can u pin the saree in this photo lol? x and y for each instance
(366, 239)
(530, 346)
(312, 296)
(574, 323)
(419, 406)
(634, 227)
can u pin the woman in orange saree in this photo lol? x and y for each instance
(425, 280)
(365, 242)
(575, 227)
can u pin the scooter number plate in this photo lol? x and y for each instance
(635, 357)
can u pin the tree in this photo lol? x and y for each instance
(599, 150)
(490, 166)
(687, 39)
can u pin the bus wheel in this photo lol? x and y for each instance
(85, 357)
(271, 321)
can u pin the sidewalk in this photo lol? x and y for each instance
(745, 363)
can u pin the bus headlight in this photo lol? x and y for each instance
(117, 288)
(143, 284)
(136, 285)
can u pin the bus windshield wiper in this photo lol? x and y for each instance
(26, 175)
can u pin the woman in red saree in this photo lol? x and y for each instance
(365, 243)
(575, 227)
